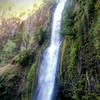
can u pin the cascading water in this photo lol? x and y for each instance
(48, 67)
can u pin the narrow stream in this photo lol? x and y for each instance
(48, 67)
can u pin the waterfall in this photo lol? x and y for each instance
(48, 66)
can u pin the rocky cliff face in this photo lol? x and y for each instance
(21, 44)
(10, 27)
(80, 54)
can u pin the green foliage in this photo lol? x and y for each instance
(25, 58)
(85, 98)
(8, 51)
(80, 53)
(68, 58)
(79, 89)
(9, 82)
(98, 86)
(68, 22)
(64, 55)
(98, 98)
(72, 58)
(26, 40)
(41, 35)
(94, 32)
(90, 97)
(31, 79)
(9, 47)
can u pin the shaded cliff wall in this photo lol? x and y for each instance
(79, 76)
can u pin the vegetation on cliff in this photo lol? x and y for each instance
(23, 41)
(79, 69)
(21, 45)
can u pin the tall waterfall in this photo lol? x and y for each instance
(48, 67)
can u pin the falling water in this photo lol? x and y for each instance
(48, 67)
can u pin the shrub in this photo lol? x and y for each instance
(8, 51)
(25, 58)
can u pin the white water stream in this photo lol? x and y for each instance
(48, 67)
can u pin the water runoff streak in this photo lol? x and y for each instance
(48, 66)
